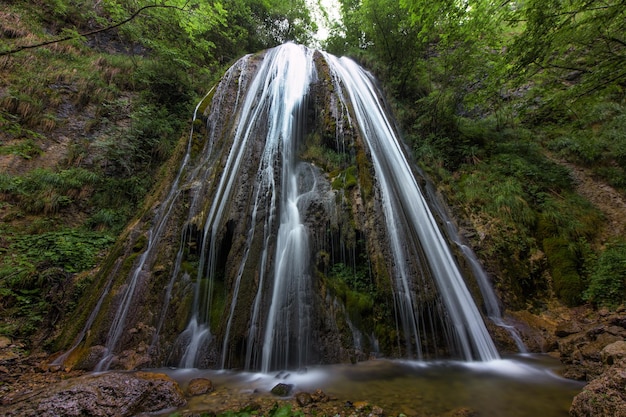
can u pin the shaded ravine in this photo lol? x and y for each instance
(294, 233)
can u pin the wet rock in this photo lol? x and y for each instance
(377, 411)
(581, 352)
(320, 396)
(604, 396)
(109, 394)
(567, 328)
(303, 399)
(613, 353)
(5, 342)
(131, 359)
(361, 405)
(199, 386)
(463, 412)
(90, 360)
(282, 390)
(616, 331)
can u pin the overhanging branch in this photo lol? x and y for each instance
(90, 33)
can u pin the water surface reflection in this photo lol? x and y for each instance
(520, 386)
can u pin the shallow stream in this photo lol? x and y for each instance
(519, 386)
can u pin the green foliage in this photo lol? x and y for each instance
(165, 85)
(36, 270)
(356, 279)
(72, 250)
(564, 268)
(346, 179)
(45, 191)
(607, 282)
(26, 149)
(597, 140)
(580, 43)
(528, 205)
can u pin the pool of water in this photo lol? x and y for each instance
(519, 386)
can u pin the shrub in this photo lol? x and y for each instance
(567, 282)
(607, 283)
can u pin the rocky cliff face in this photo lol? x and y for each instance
(197, 269)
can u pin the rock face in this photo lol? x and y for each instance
(580, 344)
(110, 394)
(594, 350)
(224, 238)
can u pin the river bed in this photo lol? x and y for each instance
(519, 386)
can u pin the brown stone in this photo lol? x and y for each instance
(567, 328)
(604, 396)
(463, 412)
(320, 396)
(5, 342)
(613, 352)
(118, 394)
(361, 405)
(199, 386)
(282, 390)
(304, 399)
(377, 411)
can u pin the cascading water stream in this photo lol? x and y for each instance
(490, 300)
(139, 272)
(405, 206)
(277, 92)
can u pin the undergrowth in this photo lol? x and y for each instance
(36, 271)
(534, 230)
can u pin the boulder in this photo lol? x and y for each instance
(199, 386)
(613, 353)
(605, 396)
(567, 328)
(581, 352)
(303, 399)
(118, 394)
(5, 342)
(282, 390)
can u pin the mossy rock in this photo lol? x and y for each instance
(567, 282)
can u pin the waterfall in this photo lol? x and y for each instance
(408, 217)
(297, 173)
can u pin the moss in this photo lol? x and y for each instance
(217, 305)
(359, 304)
(567, 283)
(206, 101)
(365, 170)
(345, 179)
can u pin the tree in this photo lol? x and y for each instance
(580, 44)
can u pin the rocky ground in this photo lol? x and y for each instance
(591, 345)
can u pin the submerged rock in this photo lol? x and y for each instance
(111, 394)
(282, 390)
(199, 386)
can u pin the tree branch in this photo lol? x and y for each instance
(90, 33)
(602, 84)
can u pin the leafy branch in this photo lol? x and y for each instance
(90, 33)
